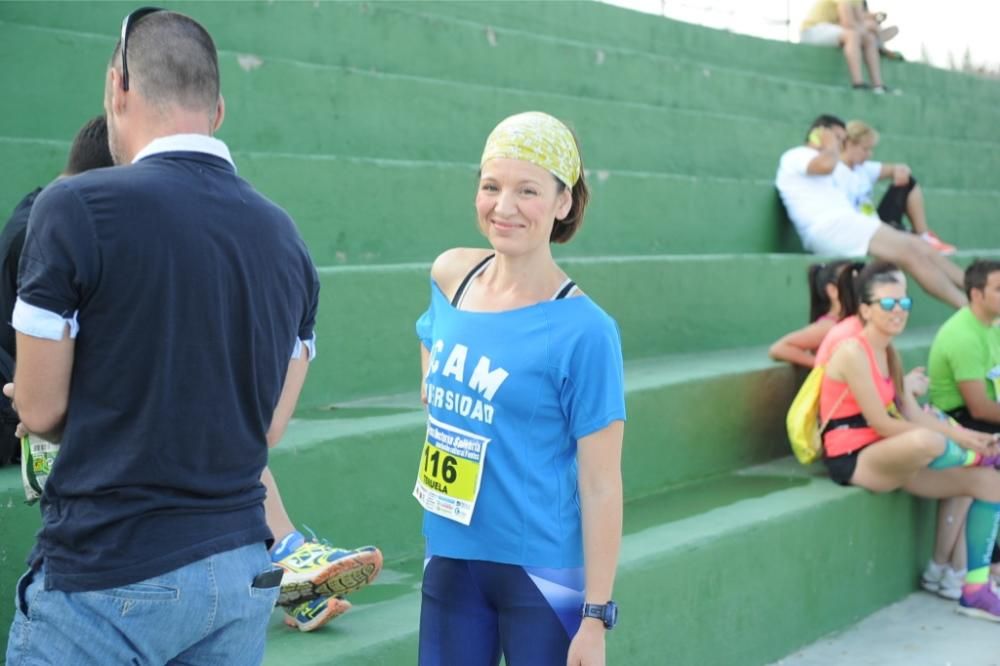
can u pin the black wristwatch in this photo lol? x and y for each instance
(606, 613)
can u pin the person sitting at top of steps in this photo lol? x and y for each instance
(904, 196)
(843, 23)
(828, 224)
(877, 437)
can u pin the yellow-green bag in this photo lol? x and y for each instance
(805, 432)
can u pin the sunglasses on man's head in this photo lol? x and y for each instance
(127, 24)
(887, 304)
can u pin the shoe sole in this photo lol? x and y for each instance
(929, 586)
(345, 576)
(977, 613)
(318, 622)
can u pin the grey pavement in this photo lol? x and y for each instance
(921, 630)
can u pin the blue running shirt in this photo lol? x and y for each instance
(532, 381)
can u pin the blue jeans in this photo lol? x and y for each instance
(204, 613)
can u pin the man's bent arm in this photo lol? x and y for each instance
(41, 383)
(978, 403)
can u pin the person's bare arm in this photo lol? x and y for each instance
(295, 378)
(601, 498)
(829, 153)
(899, 172)
(40, 392)
(799, 347)
(978, 403)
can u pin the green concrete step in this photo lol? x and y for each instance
(362, 113)
(605, 25)
(340, 206)
(738, 569)
(469, 45)
(685, 414)
(663, 305)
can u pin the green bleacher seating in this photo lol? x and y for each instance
(365, 120)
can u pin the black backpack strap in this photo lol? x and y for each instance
(456, 300)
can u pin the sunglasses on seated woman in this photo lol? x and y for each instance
(887, 304)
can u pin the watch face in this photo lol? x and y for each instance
(610, 614)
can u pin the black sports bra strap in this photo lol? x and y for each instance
(566, 290)
(457, 298)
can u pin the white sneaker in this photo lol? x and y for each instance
(943, 581)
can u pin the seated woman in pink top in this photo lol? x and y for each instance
(878, 438)
(849, 325)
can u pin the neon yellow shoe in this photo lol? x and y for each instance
(312, 615)
(316, 569)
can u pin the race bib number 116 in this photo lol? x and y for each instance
(451, 470)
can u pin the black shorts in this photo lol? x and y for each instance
(893, 204)
(965, 420)
(841, 468)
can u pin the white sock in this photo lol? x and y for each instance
(935, 571)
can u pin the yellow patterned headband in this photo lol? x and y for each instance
(537, 138)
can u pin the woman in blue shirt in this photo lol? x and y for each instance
(520, 475)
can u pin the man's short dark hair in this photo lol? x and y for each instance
(90, 148)
(978, 273)
(826, 120)
(172, 61)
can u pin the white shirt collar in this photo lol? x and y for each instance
(194, 143)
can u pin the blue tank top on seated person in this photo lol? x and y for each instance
(533, 381)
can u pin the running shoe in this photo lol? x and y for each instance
(931, 239)
(316, 569)
(312, 615)
(990, 461)
(982, 603)
(943, 581)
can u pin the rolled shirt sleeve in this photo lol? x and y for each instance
(58, 267)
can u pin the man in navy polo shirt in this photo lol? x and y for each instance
(164, 324)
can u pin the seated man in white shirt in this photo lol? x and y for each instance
(904, 196)
(828, 224)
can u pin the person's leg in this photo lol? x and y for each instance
(869, 44)
(938, 276)
(892, 207)
(314, 571)
(539, 610)
(458, 625)
(277, 517)
(851, 43)
(892, 462)
(945, 573)
(240, 610)
(916, 211)
(983, 484)
(950, 527)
